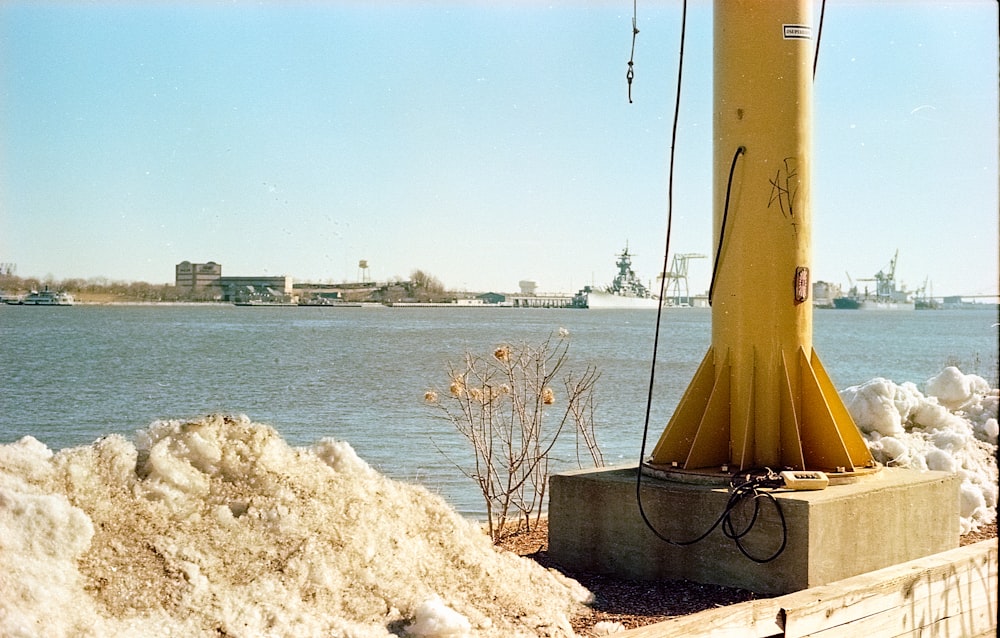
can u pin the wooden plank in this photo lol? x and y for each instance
(916, 588)
(750, 619)
(926, 602)
(951, 593)
(973, 618)
(973, 622)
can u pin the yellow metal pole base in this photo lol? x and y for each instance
(816, 432)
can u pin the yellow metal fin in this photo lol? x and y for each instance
(744, 441)
(855, 443)
(790, 432)
(676, 440)
(710, 447)
(822, 443)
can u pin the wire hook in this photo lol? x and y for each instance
(630, 74)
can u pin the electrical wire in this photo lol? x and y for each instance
(739, 491)
(819, 35)
(725, 219)
(666, 253)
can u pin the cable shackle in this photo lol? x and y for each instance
(630, 74)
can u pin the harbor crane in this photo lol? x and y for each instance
(676, 288)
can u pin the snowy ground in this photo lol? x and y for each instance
(218, 527)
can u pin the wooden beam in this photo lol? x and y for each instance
(953, 593)
(905, 598)
(752, 619)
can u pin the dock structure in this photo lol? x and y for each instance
(543, 300)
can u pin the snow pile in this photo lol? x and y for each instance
(218, 527)
(953, 428)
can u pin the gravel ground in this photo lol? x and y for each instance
(635, 603)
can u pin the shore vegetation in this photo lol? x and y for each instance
(420, 287)
(512, 406)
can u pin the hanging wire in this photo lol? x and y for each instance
(743, 487)
(630, 74)
(819, 35)
(722, 227)
(663, 279)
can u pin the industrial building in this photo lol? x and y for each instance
(191, 277)
(206, 280)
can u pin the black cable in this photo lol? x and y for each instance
(725, 218)
(748, 489)
(663, 279)
(630, 74)
(819, 35)
(751, 489)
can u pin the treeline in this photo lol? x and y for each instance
(420, 287)
(96, 286)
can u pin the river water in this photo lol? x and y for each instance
(69, 375)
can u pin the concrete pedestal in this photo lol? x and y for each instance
(884, 519)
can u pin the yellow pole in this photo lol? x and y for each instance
(761, 396)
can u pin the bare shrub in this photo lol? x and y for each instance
(506, 406)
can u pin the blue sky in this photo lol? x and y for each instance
(483, 143)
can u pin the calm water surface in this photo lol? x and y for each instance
(71, 375)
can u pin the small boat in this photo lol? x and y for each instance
(626, 291)
(44, 298)
(325, 302)
(264, 303)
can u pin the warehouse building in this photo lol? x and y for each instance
(206, 281)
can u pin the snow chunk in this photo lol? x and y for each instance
(951, 429)
(606, 628)
(341, 457)
(42, 536)
(881, 406)
(434, 619)
(954, 389)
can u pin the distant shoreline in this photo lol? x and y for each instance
(970, 305)
(85, 302)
